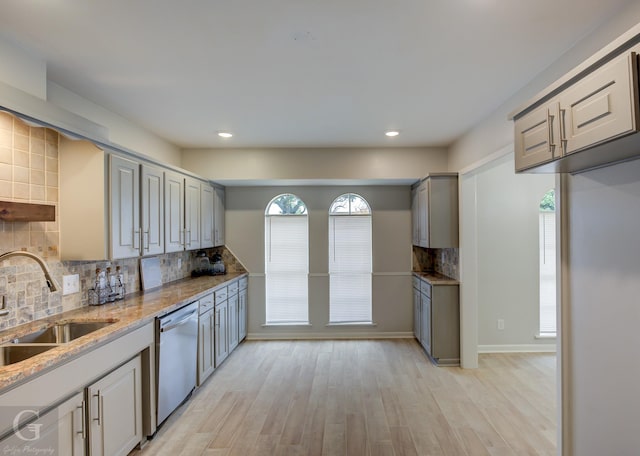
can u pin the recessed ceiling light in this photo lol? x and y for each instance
(225, 134)
(392, 133)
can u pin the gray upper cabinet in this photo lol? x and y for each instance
(114, 207)
(124, 191)
(218, 227)
(434, 211)
(173, 211)
(537, 136)
(152, 209)
(207, 197)
(587, 121)
(192, 213)
(601, 106)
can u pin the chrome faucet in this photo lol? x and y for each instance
(51, 283)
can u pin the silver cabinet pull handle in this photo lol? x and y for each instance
(98, 419)
(82, 430)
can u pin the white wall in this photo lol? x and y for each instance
(496, 131)
(604, 289)
(122, 132)
(506, 248)
(25, 89)
(391, 226)
(22, 71)
(298, 164)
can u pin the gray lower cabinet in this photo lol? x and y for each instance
(425, 323)
(61, 429)
(115, 411)
(437, 308)
(417, 312)
(233, 321)
(206, 338)
(221, 331)
(242, 309)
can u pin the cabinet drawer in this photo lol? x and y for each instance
(232, 289)
(221, 295)
(425, 288)
(243, 283)
(206, 303)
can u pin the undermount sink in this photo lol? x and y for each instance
(11, 354)
(62, 332)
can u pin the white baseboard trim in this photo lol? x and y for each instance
(329, 335)
(518, 348)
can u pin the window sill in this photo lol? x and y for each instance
(545, 336)
(288, 325)
(364, 323)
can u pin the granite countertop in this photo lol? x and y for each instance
(136, 310)
(435, 278)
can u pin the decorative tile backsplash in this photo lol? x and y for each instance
(443, 261)
(29, 171)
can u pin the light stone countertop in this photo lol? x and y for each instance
(136, 310)
(435, 278)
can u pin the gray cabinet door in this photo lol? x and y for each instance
(124, 191)
(115, 411)
(221, 333)
(207, 209)
(445, 314)
(601, 106)
(206, 346)
(152, 210)
(218, 219)
(417, 313)
(192, 213)
(60, 431)
(425, 326)
(242, 314)
(174, 211)
(537, 137)
(233, 321)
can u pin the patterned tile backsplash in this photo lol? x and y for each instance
(443, 261)
(29, 173)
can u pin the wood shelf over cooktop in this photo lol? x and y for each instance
(26, 212)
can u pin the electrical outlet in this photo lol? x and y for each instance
(70, 284)
(500, 324)
(179, 263)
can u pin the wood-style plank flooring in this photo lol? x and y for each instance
(364, 397)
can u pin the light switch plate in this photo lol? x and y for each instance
(70, 284)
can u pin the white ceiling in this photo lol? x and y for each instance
(299, 73)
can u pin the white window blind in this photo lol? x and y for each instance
(547, 272)
(350, 268)
(287, 269)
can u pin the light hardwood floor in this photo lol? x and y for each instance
(364, 397)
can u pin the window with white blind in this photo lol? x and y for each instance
(350, 260)
(287, 261)
(547, 220)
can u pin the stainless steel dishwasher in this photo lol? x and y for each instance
(177, 352)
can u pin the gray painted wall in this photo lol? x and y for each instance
(391, 225)
(507, 253)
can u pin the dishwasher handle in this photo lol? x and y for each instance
(180, 322)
